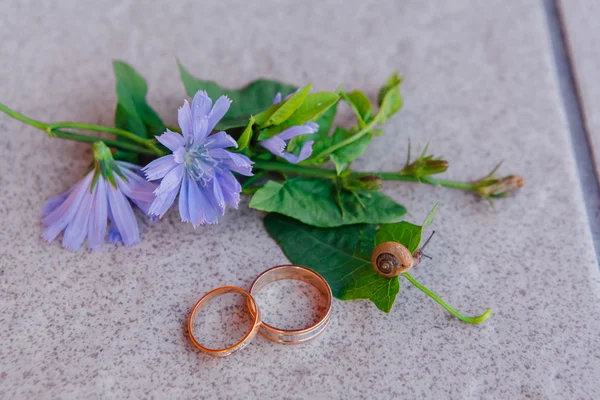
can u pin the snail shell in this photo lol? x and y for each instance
(391, 259)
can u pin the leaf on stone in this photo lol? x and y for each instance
(133, 114)
(341, 255)
(252, 99)
(314, 202)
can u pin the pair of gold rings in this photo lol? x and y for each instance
(284, 336)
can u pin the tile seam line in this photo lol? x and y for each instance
(568, 88)
(574, 84)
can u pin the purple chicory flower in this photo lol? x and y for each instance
(278, 143)
(199, 168)
(104, 194)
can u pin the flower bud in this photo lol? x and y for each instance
(424, 166)
(366, 182)
(501, 187)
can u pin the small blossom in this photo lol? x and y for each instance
(497, 188)
(278, 143)
(104, 194)
(199, 169)
(366, 182)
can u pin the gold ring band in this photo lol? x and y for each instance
(245, 340)
(292, 336)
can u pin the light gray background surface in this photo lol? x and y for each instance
(582, 32)
(481, 85)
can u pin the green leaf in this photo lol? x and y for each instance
(404, 232)
(252, 99)
(429, 218)
(325, 122)
(341, 255)
(313, 201)
(245, 137)
(288, 106)
(133, 113)
(360, 104)
(342, 158)
(389, 98)
(315, 105)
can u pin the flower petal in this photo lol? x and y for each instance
(97, 221)
(201, 209)
(77, 229)
(160, 167)
(161, 203)
(277, 98)
(305, 152)
(58, 219)
(231, 188)
(217, 196)
(171, 181)
(54, 202)
(304, 129)
(275, 145)
(200, 129)
(220, 140)
(184, 118)
(234, 161)
(137, 189)
(184, 209)
(113, 233)
(171, 140)
(218, 111)
(123, 216)
(201, 104)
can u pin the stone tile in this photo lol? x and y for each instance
(581, 26)
(479, 86)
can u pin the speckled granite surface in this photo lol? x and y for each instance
(480, 86)
(582, 29)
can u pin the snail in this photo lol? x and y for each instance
(390, 259)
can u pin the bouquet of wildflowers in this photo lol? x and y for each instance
(273, 141)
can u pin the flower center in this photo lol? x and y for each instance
(199, 164)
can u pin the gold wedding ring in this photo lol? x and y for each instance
(244, 341)
(286, 336)
(293, 336)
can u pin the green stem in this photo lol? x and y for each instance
(462, 317)
(55, 130)
(116, 131)
(294, 169)
(386, 176)
(394, 176)
(366, 129)
(23, 118)
(253, 179)
(77, 137)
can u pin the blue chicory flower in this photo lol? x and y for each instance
(199, 168)
(104, 194)
(278, 143)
